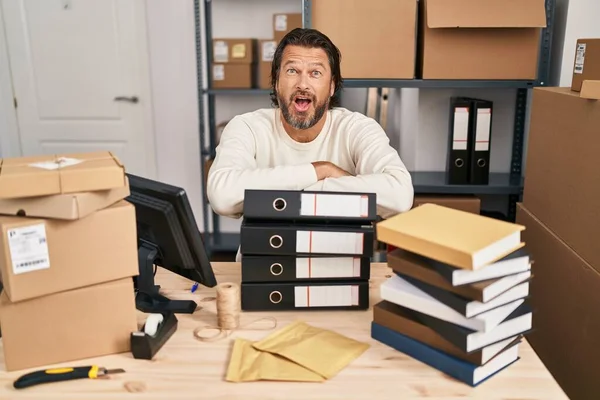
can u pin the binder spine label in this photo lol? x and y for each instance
(326, 296)
(482, 133)
(334, 205)
(335, 267)
(461, 128)
(329, 242)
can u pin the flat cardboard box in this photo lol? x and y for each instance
(266, 51)
(562, 182)
(233, 76)
(60, 174)
(284, 23)
(466, 203)
(44, 256)
(384, 47)
(586, 66)
(63, 206)
(68, 326)
(565, 293)
(474, 39)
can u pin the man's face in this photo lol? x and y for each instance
(304, 86)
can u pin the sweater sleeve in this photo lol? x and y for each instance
(379, 170)
(234, 170)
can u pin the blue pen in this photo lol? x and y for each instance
(194, 287)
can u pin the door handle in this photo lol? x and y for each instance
(132, 99)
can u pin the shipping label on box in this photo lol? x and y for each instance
(44, 256)
(59, 174)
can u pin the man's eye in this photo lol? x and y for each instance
(291, 71)
(317, 72)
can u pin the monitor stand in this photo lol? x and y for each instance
(147, 298)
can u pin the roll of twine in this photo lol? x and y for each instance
(228, 313)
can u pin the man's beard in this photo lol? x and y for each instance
(301, 122)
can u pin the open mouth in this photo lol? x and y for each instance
(302, 103)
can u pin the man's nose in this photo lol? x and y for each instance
(302, 82)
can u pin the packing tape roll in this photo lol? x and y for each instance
(152, 324)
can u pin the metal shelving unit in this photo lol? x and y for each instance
(504, 184)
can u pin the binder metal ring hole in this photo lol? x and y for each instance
(279, 204)
(275, 297)
(481, 162)
(459, 162)
(276, 241)
(276, 269)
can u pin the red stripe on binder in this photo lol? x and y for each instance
(308, 296)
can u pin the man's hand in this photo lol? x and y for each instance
(325, 169)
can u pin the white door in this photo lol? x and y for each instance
(80, 78)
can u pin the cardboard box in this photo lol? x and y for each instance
(60, 174)
(234, 51)
(233, 76)
(63, 206)
(562, 183)
(466, 203)
(68, 326)
(474, 39)
(284, 23)
(266, 51)
(44, 256)
(565, 293)
(384, 47)
(586, 68)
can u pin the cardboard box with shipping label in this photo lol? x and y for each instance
(44, 256)
(63, 206)
(285, 23)
(586, 68)
(60, 174)
(266, 50)
(68, 326)
(473, 39)
(385, 45)
(233, 76)
(234, 51)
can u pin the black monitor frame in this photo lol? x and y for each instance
(168, 237)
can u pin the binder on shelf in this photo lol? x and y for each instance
(279, 238)
(309, 206)
(292, 269)
(282, 296)
(458, 161)
(481, 114)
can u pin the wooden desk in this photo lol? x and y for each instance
(188, 368)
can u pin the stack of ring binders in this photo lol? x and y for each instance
(304, 250)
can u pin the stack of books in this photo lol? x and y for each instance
(457, 299)
(305, 250)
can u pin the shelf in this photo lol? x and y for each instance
(435, 183)
(223, 242)
(401, 83)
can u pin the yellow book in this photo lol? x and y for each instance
(458, 238)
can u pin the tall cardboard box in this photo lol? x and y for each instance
(586, 68)
(474, 39)
(384, 45)
(68, 326)
(234, 63)
(565, 294)
(266, 51)
(283, 23)
(562, 178)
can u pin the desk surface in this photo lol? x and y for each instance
(188, 368)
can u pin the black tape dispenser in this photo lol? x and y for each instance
(157, 329)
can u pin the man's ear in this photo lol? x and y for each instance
(332, 88)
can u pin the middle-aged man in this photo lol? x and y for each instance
(306, 141)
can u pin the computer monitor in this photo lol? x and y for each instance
(168, 237)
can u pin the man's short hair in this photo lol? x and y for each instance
(310, 38)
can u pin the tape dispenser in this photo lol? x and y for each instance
(157, 329)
